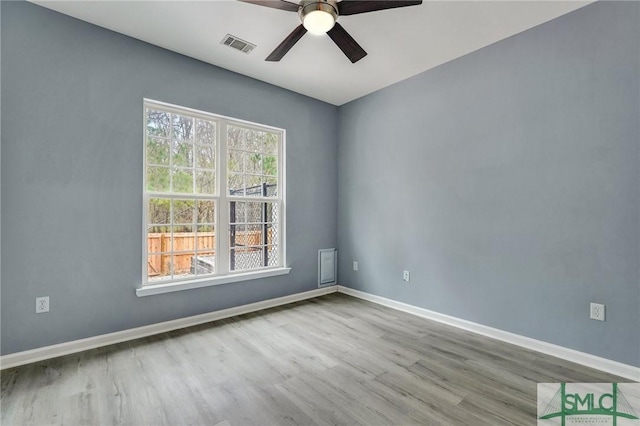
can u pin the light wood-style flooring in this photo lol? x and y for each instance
(333, 360)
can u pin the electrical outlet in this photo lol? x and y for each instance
(42, 304)
(597, 311)
(355, 265)
(405, 276)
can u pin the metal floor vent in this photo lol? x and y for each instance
(238, 44)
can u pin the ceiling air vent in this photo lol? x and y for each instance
(238, 44)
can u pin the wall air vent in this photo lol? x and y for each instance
(238, 44)
(327, 267)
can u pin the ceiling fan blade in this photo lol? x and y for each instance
(287, 44)
(346, 43)
(353, 7)
(275, 4)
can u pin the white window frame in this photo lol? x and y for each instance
(222, 275)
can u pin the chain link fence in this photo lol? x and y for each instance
(253, 232)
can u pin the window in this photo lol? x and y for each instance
(213, 196)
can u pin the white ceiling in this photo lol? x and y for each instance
(400, 42)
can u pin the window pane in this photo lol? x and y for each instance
(182, 154)
(236, 184)
(272, 256)
(206, 156)
(205, 132)
(237, 235)
(272, 234)
(206, 211)
(182, 263)
(235, 162)
(154, 241)
(206, 239)
(254, 212)
(271, 144)
(185, 234)
(272, 186)
(232, 260)
(183, 180)
(183, 211)
(159, 240)
(159, 211)
(159, 229)
(203, 264)
(235, 137)
(158, 123)
(253, 186)
(237, 212)
(159, 266)
(270, 165)
(157, 179)
(253, 163)
(205, 182)
(246, 258)
(157, 151)
(254, 140)
(205, 261)
(183, 249)
(182, 127)
(254, 235)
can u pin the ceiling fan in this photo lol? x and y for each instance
(320, 16)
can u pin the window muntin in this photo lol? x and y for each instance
(189, 196)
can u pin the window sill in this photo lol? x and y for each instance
(150, 290)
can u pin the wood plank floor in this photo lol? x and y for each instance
(327, 361)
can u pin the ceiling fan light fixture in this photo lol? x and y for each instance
(318, 17)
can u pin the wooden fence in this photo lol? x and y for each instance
(159, 263)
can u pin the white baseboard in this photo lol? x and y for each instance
(613, 367)
(53, 351)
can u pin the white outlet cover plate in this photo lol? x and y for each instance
(42, 304)
(597, 311)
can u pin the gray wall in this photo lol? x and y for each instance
(72, 176)
(507, 182)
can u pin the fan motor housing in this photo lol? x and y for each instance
(329, 6)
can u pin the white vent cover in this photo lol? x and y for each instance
(238, 44)
(327, 267)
